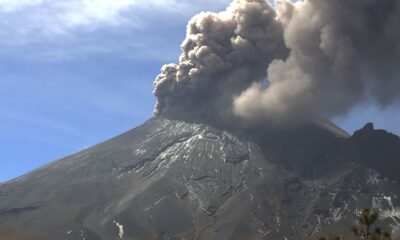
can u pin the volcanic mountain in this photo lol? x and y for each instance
(175, 179)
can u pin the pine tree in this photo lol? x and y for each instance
(364, 229)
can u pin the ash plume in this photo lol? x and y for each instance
(222, 55)
(319, 57)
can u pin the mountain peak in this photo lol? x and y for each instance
(368, 127)
(196, 181)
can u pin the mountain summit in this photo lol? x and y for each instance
(173, 179)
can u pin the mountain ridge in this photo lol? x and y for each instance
(188, 179)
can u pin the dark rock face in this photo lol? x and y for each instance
(378, 150)
(170, 179)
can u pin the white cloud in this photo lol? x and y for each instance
(70, 28)
(49, 17)
(86, 12)
(12, 5)
(63, 14)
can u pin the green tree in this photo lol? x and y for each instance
(365, 228)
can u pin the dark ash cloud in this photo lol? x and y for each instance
(223, 54)
(320, 57)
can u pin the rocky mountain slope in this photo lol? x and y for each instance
(171, 179)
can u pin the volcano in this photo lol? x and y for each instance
(175, 179)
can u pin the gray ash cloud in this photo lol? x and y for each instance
(320, 58)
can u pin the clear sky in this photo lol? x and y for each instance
(76, 72)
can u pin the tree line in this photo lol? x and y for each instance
(366, 227)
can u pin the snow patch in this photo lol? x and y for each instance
(120, 229)
(159, 201)
(278, 219)
(337, 214)
(373, 177)
(389, 200)
(82, 235)
(318, 226)
(251, 198)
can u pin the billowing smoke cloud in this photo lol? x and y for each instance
(341, 52)
(223, 54)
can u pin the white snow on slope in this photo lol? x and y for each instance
(120, 229)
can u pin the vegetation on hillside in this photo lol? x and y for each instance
(366, 227)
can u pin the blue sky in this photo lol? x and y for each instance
(76, 72)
